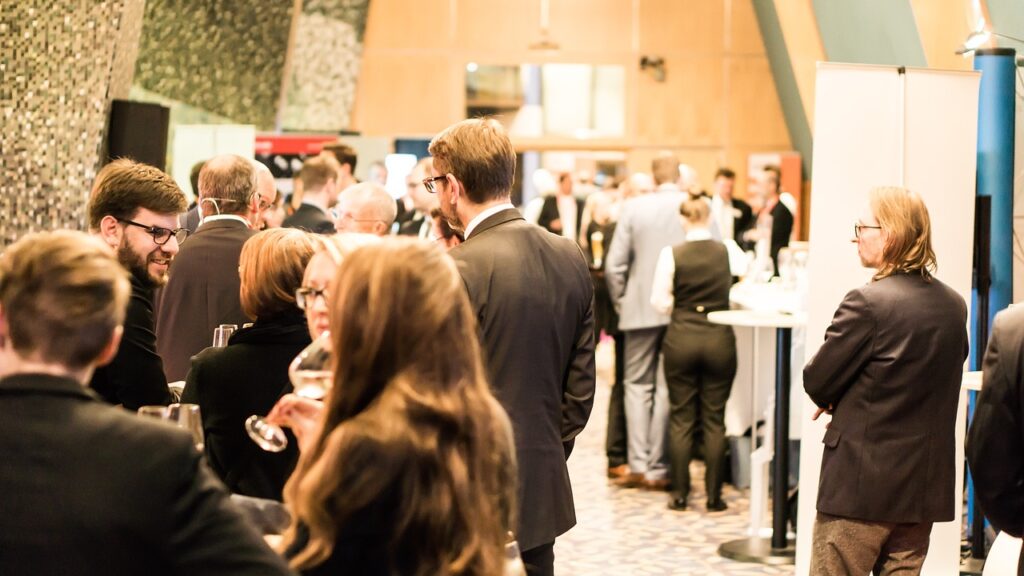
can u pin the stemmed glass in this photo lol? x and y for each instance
(311, 377)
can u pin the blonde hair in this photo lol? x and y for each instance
(908, 232)
(665, 168)
(63, 294)
(271, 267)
(696, 210)
(410, 429)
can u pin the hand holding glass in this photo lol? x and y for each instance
(311, 377)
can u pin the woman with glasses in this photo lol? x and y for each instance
(410, 469)
(251, 373)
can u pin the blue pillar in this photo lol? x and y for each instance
(995, 174)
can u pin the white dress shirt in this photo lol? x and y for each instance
(216, 217)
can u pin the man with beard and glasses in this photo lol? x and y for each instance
(134, 209)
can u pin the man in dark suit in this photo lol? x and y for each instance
(202, 292)
(319, 185)
(995, 443)
(889, 372)
(134, 209)
(190, 220)
(562, 212)
(88, 489)
(534, 303)
(775, 217)
(419, 222)
(733, 216)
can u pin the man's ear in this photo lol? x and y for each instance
(110, 348)
(111, 231)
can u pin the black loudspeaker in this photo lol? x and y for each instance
(138, 130)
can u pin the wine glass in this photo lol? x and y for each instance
(311, 377)
(184, 416)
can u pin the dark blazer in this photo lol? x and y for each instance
(995, 443)
(744, 220)
(245, 378)
(549, 213)
(891, 365)
(412, 224)
(90, 490)
(202, 293)
(136, 375)
(311, 219)
(782, 229)
(533, 300)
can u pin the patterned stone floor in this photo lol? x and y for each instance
(625, 531)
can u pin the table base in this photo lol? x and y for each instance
(759, 550)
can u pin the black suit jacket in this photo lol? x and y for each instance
(549, 213)
(136, 375)
(245, 378)
(891, 365)
(412, 224)
(202, 293)
(995, 444)
(90, 490)
(782, 229)
(743, 220)
(533, 300)
(311, 219)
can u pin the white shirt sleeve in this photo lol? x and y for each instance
(661, 288)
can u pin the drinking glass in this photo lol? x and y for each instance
(311, 377)
(184, 416)
(597, 247)
(222, 333)
(513, 559)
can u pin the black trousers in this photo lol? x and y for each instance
(615, 440)
(700, 364)
(540, 561)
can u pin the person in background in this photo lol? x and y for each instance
(889, 372)
(190, 220)
(365, 208)
(202, 293)
(647, 224)
(995, 443)
(274, 214)
(441, 232)
(315, 292)
(423, 203)
(561, 213)
(775, 220)
(531, 295)
(134, 209)
(249, 375)
(427, 480)
(344, 159)
(691, 280)
(88, 489)
(378, 173)
(319, 187)
(734, 216)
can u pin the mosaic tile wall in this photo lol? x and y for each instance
(223, 56)
(227, 57)
(61, 63)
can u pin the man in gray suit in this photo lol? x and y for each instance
(202, 291)
(533, 299)
(995, 444)
(889, 373)
(646, 224)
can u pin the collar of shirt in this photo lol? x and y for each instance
(485, 215)
(698, 234)
(226, 217)
(667, 187)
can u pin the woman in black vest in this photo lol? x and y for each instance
(691, 280)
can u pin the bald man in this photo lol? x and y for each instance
(366, 208)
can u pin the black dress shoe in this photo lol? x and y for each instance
(677, 504)
(716, 506)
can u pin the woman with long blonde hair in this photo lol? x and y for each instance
(411, 470)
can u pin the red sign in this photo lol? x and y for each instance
(291, 143)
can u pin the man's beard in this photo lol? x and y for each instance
(138, 266)
(452, 219)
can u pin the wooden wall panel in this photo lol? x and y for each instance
(592, 26)
(755, 115)
(397, 25)
(943, 25)
(744, 33)
(686, 108)
(803, 43)
(495, 26)
(674, 26)
(404, 94)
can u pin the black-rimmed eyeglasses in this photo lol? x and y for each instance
(160, 235)
(857, 227)
(306, 297)
(429, 183)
